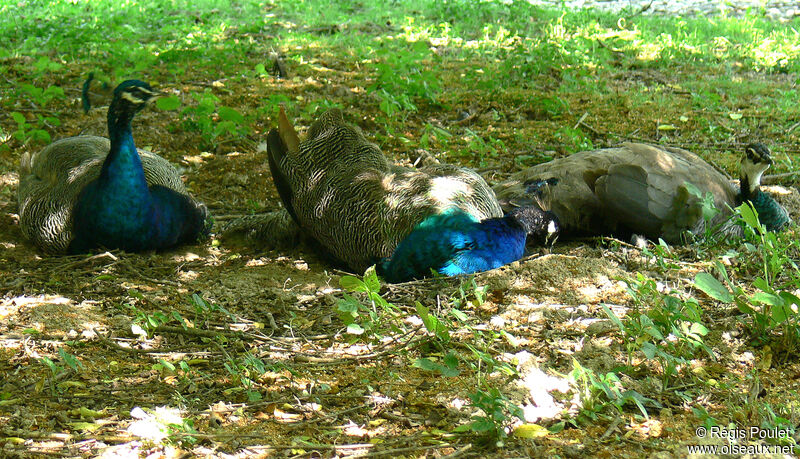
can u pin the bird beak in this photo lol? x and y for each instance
(157, 95)
(552, 234)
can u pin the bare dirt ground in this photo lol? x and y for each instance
(320, 395)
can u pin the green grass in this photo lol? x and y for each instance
(404, 73)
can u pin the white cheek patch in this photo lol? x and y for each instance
(753, 172)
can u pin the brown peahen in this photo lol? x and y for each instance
(642, 189)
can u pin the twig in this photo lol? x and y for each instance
(330, 416)
(611, 428)
(222, 218)
(459, 452)
(580, 120)
(396, 451)
(114, 345)
(641, 10)
(643, 444)
(148, 279)
(64, 436)
(83, 260)
(775, 177)
(194, 332)
(586, 125)
(355, 358)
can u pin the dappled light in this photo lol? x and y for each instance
(604, 344)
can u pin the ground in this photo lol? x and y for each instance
(240, 352)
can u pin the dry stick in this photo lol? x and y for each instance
(130, 267)
(64, 436)
(580, 120)
(154, 352)
(83, 260)
(392, 452)
(114, 345)
(641, 10)
(194, 332)
(776, 177)
(329, 416)
(292, 339)
(643, 444)
(303, 445)
(611, 428)
(222, 218)
(586, 125)
(459, 452)
(355, 358)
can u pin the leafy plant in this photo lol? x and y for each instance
(42, 96)
(773, 309)
(598, 393)
(481, 149)
(709, 211)
(69, 360)
(497, 410)
(403, 78)
(27, 132)
(663, 255)
(661, 326)
(245, 371)
(367, 318)
(213, 121)
(573, 139)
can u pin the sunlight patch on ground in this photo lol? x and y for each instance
(9, 306)
(9, 179)
(539, 385)
(155, 425)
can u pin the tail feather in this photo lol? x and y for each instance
(287, 133)
(85, 100)
(276, 152)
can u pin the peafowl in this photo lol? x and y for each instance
(341, 190)
(86, 192)
(645, 189)
(454, 242)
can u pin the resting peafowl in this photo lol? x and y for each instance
(642, 189)
(86, 192)
(341, 190)
(454, 242)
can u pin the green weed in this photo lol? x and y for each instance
(773, 308)
(600, 392)
(663, 327)
(371, 318)
(213, 121)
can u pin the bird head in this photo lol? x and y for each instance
(132, 95)
(542, 226)
(129, 98)
(755, 162)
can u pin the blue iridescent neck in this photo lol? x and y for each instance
(122, 165)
